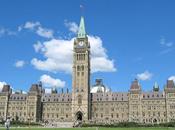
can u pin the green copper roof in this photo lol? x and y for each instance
(156, 87)
(81, 31)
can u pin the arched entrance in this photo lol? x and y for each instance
(155, 121)
(79, 116)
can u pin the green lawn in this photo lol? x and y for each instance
(89, 128)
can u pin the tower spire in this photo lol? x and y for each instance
(81, 30)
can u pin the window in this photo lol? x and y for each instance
(78, 73)
(79, 100)
(82, 67)
(158, 113)
(78, 68)
(82, 73)
(83, 56)
(111, 115)
(117, 115)
(96, 115)
(143, 113)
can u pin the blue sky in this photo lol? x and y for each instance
(135, 39)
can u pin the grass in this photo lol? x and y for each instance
(89, 128)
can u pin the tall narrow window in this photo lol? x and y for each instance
(78, 73)
(83, 56)
(82, 67)
(78, 68)
(79, 99)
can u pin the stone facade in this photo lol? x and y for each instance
(95, 104)
(105, 107)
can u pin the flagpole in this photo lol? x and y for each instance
(81, 9)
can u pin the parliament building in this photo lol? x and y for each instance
(89, 103)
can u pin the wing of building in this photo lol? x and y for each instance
(95, 103)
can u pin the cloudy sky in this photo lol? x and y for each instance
(129, 39)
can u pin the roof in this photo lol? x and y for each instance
(156, 87)
(81, 31)
(36, 88)
(135, 85)
(99, 87)
(60, 97)
(170, 84)
(18, 97)
(153, 95)
(6, 88)
(116, 96)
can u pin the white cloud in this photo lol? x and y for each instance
(166, 51)
(37, 28)
(38, 46)
(24, 92)
(44, 32)
(5, 31)
(20, 28)
(31, 25)
(145, 75)
(172, 78)
(163, 42)
(59, 53)
(2, 31)
(19, 63)
(1, 85)
(48, 90)
(72, 26)
(49, 81)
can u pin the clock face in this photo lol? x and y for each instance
(81, 43)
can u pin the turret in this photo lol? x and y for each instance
(170, 99)
(170, 87)
(135, 86)
(135, 114)
(156, 87)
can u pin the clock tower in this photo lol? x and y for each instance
(81, 75)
